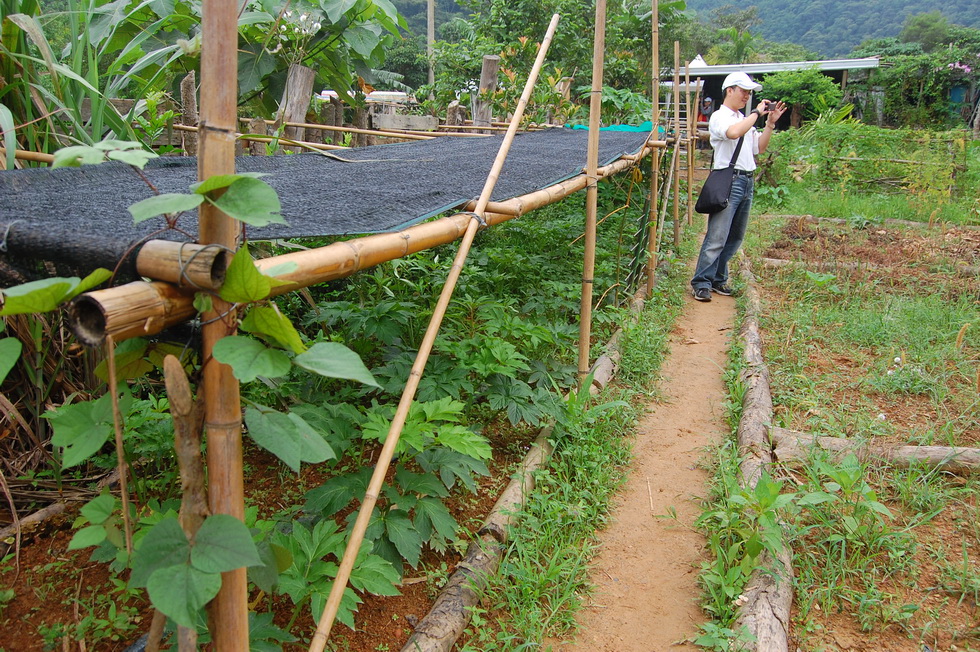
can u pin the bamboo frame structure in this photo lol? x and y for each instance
(326, 620)
(145, 308)
(591, 191)
(653, 251)
(222, 403)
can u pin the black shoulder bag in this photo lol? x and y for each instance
(718, 186)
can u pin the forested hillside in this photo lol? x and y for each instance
(835, 27)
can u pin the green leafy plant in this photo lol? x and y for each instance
(182, 576)
(315, 553)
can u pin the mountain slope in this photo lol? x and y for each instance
(835, 27)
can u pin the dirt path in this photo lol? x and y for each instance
(645, 575)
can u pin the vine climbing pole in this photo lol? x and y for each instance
(228, 612)
(653, 250)
(591, 191)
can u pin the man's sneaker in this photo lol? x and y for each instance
(702, 294)
(723, 290)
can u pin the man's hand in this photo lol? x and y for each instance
(771, 108)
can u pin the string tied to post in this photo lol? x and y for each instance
(476, 216)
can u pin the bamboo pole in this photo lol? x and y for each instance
(690, 142)
(591, 192)
(653, 251)
(394, 433)
(666, 192)
(222, 403)
(185, 264)
(433, 134)
(350, 130)
(25, 155)
(677, 143)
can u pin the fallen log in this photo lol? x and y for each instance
(768, 596)
(961, 270)
(439, 629)
(794, 445)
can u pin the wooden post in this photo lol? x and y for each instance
(188, 113)
(319, 640)
(455, 114)
(295, 101)
(222, 403)
(488, 84)
(653, 251)
(677, 143)
(591, 191)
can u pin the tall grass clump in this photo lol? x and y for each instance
(846, 168)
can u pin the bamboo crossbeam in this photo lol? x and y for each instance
(26, 155)
(366, 509)
(351, 130)
(133, 310)
(433, 134)
(185, 264)
(265, 138)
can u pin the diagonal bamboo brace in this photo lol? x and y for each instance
(322, 633)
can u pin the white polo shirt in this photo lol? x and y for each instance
(724, 147)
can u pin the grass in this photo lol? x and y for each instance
(869, 209)
(876, 353)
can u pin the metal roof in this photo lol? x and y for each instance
(829, 64)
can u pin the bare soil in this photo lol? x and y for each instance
(645, 576)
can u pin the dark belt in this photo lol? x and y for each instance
(744, 173)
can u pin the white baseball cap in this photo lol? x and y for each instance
(741, 80)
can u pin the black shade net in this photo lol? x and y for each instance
(77, 217)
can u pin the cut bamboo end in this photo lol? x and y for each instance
(131, 310)
(185, 264)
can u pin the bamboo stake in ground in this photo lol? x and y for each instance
(120, 452)
(677, 143)
(691, 133)
(322, 633)
(222, 403)
(653, 251)
(591, 192)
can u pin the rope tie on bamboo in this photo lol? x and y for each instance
(591, 181)
(6, 232)
(184, 265)
(476, 216)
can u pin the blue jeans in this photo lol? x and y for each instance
(726, 229)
